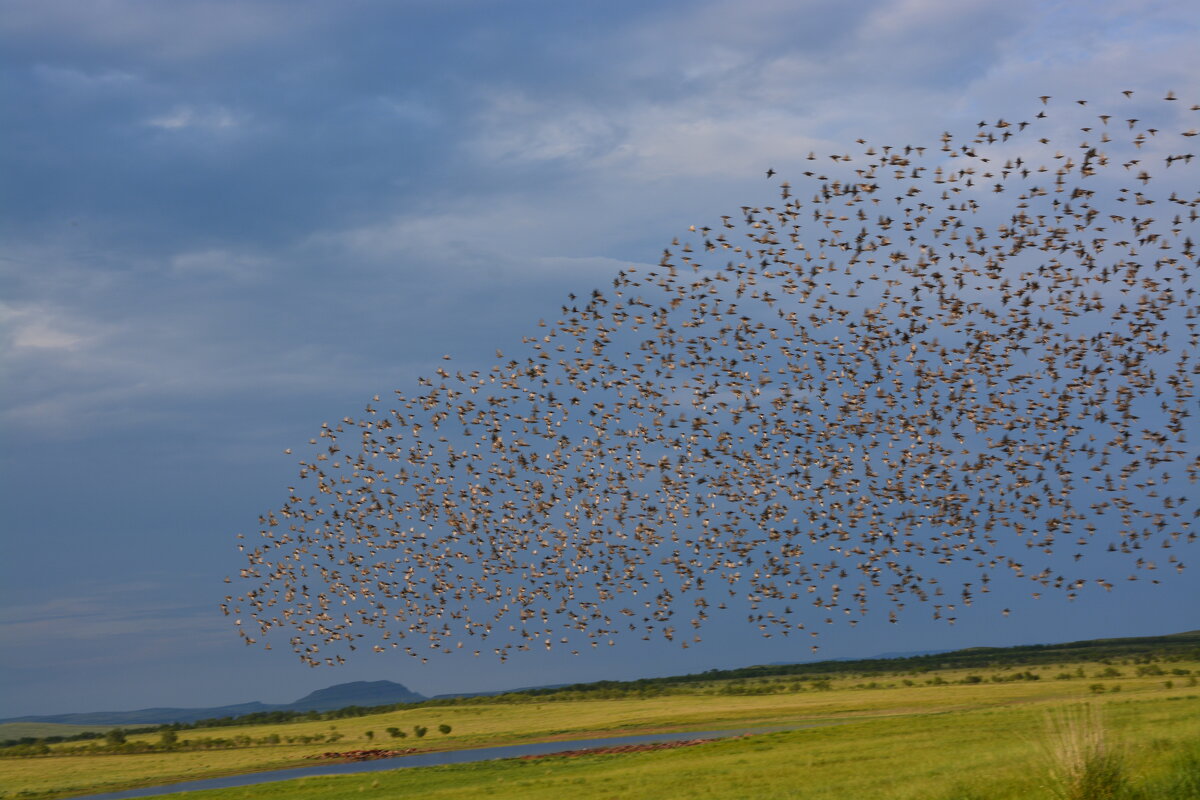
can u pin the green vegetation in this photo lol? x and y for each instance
(990, 754)
(975, 731)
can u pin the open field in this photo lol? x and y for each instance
(979, 727)
(969, 755)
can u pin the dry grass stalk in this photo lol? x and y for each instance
(1084, 763)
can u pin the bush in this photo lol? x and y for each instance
(444, 728)
(1084, 765)
(420, 730)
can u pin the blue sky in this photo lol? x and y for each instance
(224, 223)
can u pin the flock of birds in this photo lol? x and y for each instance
(920, 368)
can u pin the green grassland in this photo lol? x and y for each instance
(970, 755)
(959, 732)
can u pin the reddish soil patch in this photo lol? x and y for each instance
(369, 755)
(622, 748)
(364, 755)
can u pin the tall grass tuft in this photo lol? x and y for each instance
(1084, 763)
(1181, 780)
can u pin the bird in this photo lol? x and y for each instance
(933, 360)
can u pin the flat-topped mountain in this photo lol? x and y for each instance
(356, 693)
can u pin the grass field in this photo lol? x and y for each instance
(969, 755)
(938, 738)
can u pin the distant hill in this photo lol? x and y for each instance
(1185, 644)
(357, 693)
(368, 694)
(495, 692)
(40, 730)
(883, 656)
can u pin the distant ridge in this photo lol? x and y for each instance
(495, 692)
(1185, 643)
(356, 693)
(369, 694)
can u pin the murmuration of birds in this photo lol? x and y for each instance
(919, 371)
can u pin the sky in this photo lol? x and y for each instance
(224, 223)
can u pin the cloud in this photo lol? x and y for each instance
(190, 117)
(518, 127)
(110, 624)
(183, 30)
(222, 263)
(41, 328)
(64, 78)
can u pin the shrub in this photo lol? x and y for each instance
(1084, 765)
(444, 728)
(420, 730)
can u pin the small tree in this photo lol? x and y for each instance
(420, 730)
(115, 737)
(371, 736)
(444, 728)
(396, 733)
(168, 738)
